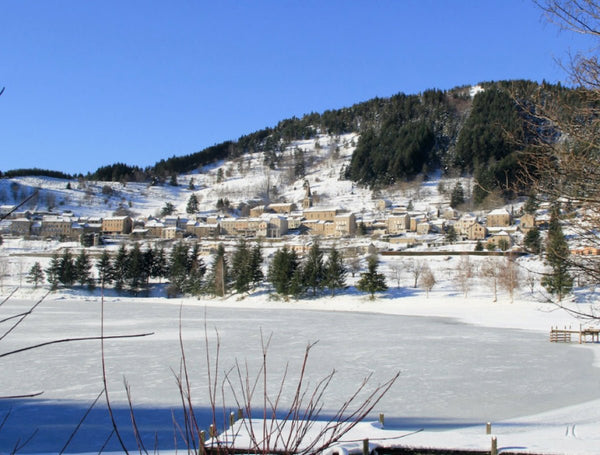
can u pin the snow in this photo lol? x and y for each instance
(464, 360)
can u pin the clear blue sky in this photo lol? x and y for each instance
(94, 82)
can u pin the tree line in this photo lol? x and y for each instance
(131, 269)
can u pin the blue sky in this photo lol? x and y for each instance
(90, 83)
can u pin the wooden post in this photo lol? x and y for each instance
(494, 450)
(231, 419)
(212, 431)
(381, 418)
(365, 447)
(202, 438)
(488, 428)
(240, 415)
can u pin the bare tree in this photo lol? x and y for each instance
(396, 270)
(509, 277)
(563, 163)
(464, 273)
(490, 270)
(415, 268)
(427, 280)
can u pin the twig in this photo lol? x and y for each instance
(69, 340)
(80, 423)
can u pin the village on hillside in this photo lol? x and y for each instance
(398, 225)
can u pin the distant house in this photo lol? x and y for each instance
(397, 224)
(117, 225)
(499, 218)
(20, 226)
(285, 208)
(56, 227)
(501, 237)
(476, 231)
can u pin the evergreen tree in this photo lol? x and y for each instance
(35, 275)
(479, 246)
(295, 286)
(362, 228)
(120, 267)
(313, 269)
(256, 261)
(173, 181)
(192, 204)
(148, 261)
(281, 270)
(218, 280)
(241, 267)
(458, 195)
(167, 209)
(136, 270)
(104, 268)
(197, 269)
(66, 269)
(159, 267)
(531, 205)
(53, 272)
(558, 282)
(371, 281)
(178, 268)
(299, 164)
(533, 241)
(83, 267)
(335, 271)
(451, 235)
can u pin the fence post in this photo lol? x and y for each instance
(212, 431)
(488, 428)
(381, 418)
(231, 419)
(240, 415)
(494, 450)
(365, 447)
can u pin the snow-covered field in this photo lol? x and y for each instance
(463, 362)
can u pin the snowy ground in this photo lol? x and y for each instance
(468, 361)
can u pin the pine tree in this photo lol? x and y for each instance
(313, 269)
(371, 281)
(53, 272)
(83, 268)
(120, 267)
(241, 270)
(35, 275)
(148, 261)
(66, 269)
(217, 282)
(532, 241)
(178, 268)
(335, 271)
(192, 204)
(104, 268)
(197, 269)
(558, 282)
(281, 270)
(256, 261)
(458, 195)
(136, 270)
(159, 267)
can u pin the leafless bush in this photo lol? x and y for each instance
(299, 428)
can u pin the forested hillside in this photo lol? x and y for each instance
(478, 132)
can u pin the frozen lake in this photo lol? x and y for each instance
(451, 373)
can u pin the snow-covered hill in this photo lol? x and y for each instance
(244, 179)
